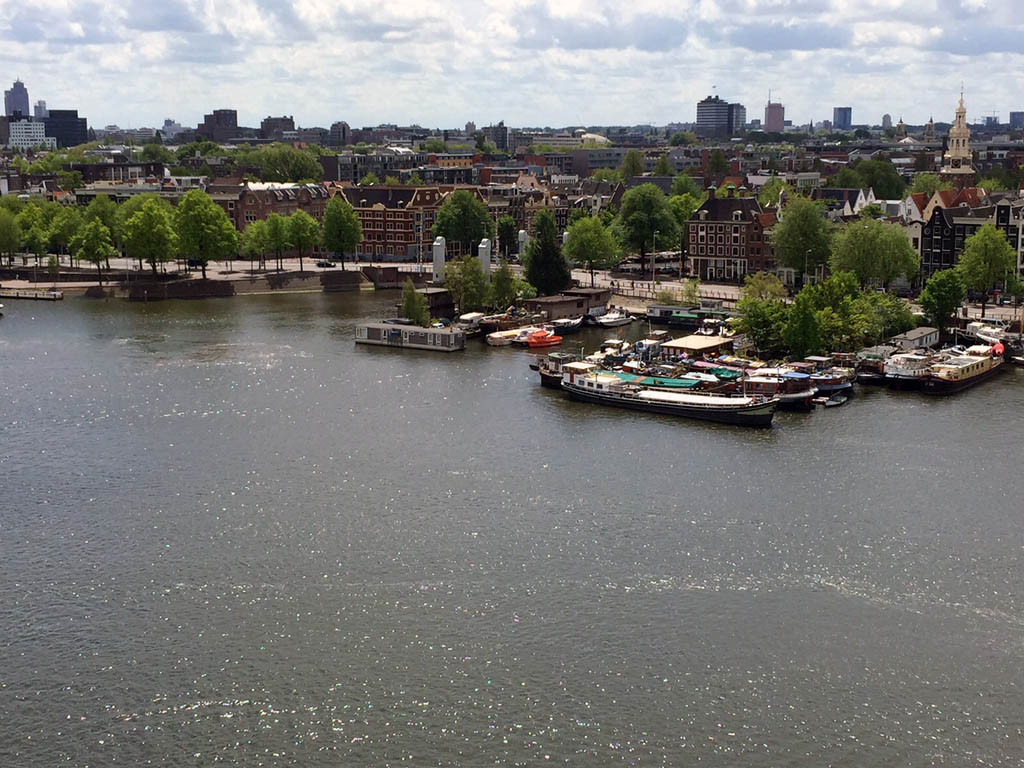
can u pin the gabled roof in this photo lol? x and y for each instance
(920, 200)
(722, 208)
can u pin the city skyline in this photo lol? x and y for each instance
(137, 63)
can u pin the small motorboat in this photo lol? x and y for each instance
(543, 338)
(830, 402)
(614, 318)
(567, 325)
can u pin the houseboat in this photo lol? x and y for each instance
(908, 370)
(580, 381)
(410, 337)
(550, 368)
(954, 374)
(794, 390)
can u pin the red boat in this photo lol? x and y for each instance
(543, 339)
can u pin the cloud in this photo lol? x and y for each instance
(529, 62)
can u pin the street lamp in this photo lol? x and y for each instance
(654, 255)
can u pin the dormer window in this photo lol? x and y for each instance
(737, 215)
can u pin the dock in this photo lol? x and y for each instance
(18, 293)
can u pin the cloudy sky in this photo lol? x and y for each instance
(529, 62)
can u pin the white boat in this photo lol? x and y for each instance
(907, 370)
(523, 334)
(614, 318)
(567, 325)
(501, 338)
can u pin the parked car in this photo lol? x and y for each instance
(325, 264)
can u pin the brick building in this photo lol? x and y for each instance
(219, 126)
(397, 221)
(726, 239)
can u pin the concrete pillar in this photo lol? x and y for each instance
(439, 251)
(484, 253)
(523, 240)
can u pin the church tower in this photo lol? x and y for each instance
(958, 162)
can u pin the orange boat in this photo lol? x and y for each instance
(543, 339)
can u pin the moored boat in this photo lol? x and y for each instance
(567, 325)
(954, 374)
(543, 338)
(907, 370)
(501, 338)
(614, 318)
(580, 381)
(550, 368)
(794, 390)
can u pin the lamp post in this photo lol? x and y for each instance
(654, 255)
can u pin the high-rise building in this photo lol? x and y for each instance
(886, 120)
(16, 99)
(340, 134)
(40, 110)
(1017, 119)
(774, 117)
(717, 117)
(842, 118)
(274, 127)
(66, 127)
(171, 128)
(220, 125)
(27, 134)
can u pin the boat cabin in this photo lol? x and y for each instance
(410, 337)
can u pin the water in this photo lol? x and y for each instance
(227, 535)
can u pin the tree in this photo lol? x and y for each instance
(717, 164)
(149, 234)
(762, 285)
(801, 333)
(802, 237)
(414, 305)
(632, 164)
(683, 139)
(463, 219)
(415, 180)
(589, 244)
(507, 235)
(53, 267)
(64, 226)
(103, 208)
(763, 320)
(434, 146)
(156, 153)
(342, 230)
(873, 250)
(70, 181)
(606, 174)
(503, 286)
(683, 207)
(33, 230)
(369, 180)
(303, 233)
(93, 244)
(882, 177)
(662, 167)
(204, 231)
(546, 268)
(772, 190)
(847, 178)
(871, 211)
(987, 258)
(278, 237)
(10, 234)
(927, 184)
(282, 162)
(392, 181)
(684, 184)
(256, 242)
(129, 208)
(943, 295)
(992, 184)
(645, 215)
(474, 284)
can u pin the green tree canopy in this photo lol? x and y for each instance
(683, 207)
(764, 319)
(986, 260)
(204, 231)
(279, 237)
(943, 295)
(507, 235)
(434, 145)
(503, 286)
(149, 234)
(685, 184)
(103, 208)
(801, 333)
(802, 238)
(303, 233)
(882, 177)
(590, 245)
(632, 164)
(606, 174)
(770, 192)
(645, 215)
(342, 230)
(64, 227)
(93, 244)
(256, 241)
(873, 250)
(392, 181)
(683, 139)
(463, 219)
(762, 285)
(414, 305)
(847, 178)
(157, 153)
(927, 184)
(546, 268)
(415, 180)
(283, 162)
(10, 233)
(717, 164)
(871, 211)
(369, 180)
(662, 167)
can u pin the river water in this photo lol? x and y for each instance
(227, 535)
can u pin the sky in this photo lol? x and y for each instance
(527, 62)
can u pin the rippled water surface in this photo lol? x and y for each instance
(229, 536)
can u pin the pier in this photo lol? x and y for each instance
(21, 293)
